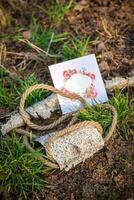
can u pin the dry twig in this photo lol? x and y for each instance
(39, 50)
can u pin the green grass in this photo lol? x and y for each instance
(96, 113)
(6, 97)
(20, 171)
(3, 73)
(5, 93)
(60, 43)
(10, 96)
(104, 116)
(50, 41)
(57, 12)
(125, 111)
(35, 96)
(75, 48)
(44, 37)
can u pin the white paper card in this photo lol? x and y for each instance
(82, 76)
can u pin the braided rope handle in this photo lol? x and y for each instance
(65, 131)
(25, 116)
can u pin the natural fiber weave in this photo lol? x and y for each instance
(26, 116)
(69, 128)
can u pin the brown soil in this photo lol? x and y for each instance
(109, 174)
(108, 23)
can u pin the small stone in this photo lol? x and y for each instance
(101, 47)
(125, 61)
(81, 5)
(13, 75)
(104, 66)
(131, 73)
(115, 74)
(26, 34)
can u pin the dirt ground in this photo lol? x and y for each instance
(109, 174)
(105, 176)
